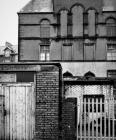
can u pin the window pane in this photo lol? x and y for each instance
(44, 52)
(42, 56)
(47, 56)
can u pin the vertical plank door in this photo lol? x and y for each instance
(19, 106)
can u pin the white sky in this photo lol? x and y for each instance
(9, 20)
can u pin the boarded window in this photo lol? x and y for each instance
(44, 52)
(25, 76)
(77, 20)
(67, 52)
(89, 50)
(111, 27)
(45, 29)
(91, 22)
(63, 21)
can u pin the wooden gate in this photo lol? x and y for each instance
(96, 113)
(19, 111)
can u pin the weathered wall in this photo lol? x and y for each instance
(69, 114)
(80, 68)
(29, 50)
(47, 105)
(46, 81)
(29, 34)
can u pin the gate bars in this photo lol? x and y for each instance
(96, 119)
(96, 113)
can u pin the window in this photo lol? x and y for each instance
(45, 29)
(44, 52)
(89, 49)
(111, 27)
(67, 52)
(7, 53)
(94, 103)
(69, 25)
(111, 50)
(85, 18)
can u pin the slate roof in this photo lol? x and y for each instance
(56, 5)
(38, 6)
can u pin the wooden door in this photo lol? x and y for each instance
(20, 107)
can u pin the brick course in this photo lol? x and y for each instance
(47, 105)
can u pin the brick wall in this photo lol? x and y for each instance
(47, 104)
(69, 119)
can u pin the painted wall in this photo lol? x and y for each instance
(80, 68)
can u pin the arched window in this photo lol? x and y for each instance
(45, 29)
(91, 22)
(77, 20)
(111, 27)
(63, 22)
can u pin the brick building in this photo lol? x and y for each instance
(66, 72)
(80, 42)
(81, 36)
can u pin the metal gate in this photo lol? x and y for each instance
(19, 107)
(96, 114)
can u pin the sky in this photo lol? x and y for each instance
(9, 20)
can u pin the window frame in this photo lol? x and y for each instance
(45, 28)
(45, 52)
(63, 47)
(111, 27)
(112, 51)
(89, 43)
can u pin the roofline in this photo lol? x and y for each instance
(32, 63)
(35, 13)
